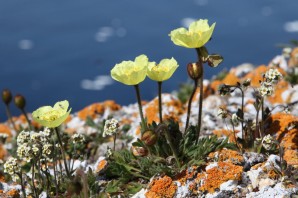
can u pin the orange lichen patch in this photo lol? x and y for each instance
(291, 157)
(125, 121)
(112, 105)
(3, 152)
(161, 188)
(215, 84)
(230, 79)
(68, 119)
(226, 155)
(151, 112)
(285, 126)
(272, 174)
(91, 111)
(5, 129)
(97, 109)
(279, 89)
(256, 166)
(256, 75)
(13, 193)
(102, 165)
(225, 133)
(223, 172)
(138, 130)
(293, 62)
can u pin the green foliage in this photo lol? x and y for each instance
(184, 92)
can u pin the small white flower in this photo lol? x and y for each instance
(78, 138)
(268, 142)
(111, 127)
(222, 113)
(273, 75)
(265, 90)
(35, 149)
(23, 137)
(235, 119)
(47, 132)
(47, 150)
(11, 166)
(36, 137)
(109, 152)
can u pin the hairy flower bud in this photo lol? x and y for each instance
(20, 101)
(149, 138)
(6, 96)
(194, 70)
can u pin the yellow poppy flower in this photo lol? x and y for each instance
(162, 71)
(131, 72)
(197, 35)
(52, 117)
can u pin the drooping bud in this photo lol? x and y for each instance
(139, 151)
(194, 70)
(6, 96)
(149, 138)
(20, 101)
(214, 60)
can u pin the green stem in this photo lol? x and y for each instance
(63, 153)
(27, 119)
(263, 116)
(160, 101)
(10, 117)
(201, 97)
(140, 104)
(168, 137)
(22, 184)
(115, 136)
(189, 103)
(33, 178)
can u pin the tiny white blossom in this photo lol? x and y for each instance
(273, 75)
(11, 166)
(268, 142)
(111, 127)
(78, 138)
(265, 90)
(47, 149)
(222, 113)
(23, 137)
(235, 119)
(36, 137)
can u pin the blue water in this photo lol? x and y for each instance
(48, 47)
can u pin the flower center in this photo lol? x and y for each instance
(51, 115)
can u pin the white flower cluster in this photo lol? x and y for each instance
(78, 138)
(11, 167)
(34, 144)
(268, 142)
(272, 76)
(111, 127)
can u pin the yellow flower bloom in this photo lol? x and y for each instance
(52, 117)
(197, 35)
(163, 71)
(131, 72)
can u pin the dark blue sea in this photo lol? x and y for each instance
(51, 50)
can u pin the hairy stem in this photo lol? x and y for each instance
(160, 101)
(63, 153)
(27, 119)
(140, 104)
(189, 103)
(10, 117)
(201, 97)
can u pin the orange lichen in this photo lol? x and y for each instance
(223, 172)
(225, 133)
(13, 193)
(291, 157)
(215, 84)
(3, 152)
(5, 129)
(151, 112)
(285, 126)
(101, 165)
(256, 75)
(230, 79)
(161, 188)
(226, 155)
(256, 166)
(97, 109)
(279, 89)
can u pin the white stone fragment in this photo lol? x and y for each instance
(229, 185)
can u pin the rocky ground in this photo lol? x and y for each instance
(228, 173)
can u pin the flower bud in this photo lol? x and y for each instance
(149, 138)
(6, 96)
(139, 151)
(20, 101)
(194, 70)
